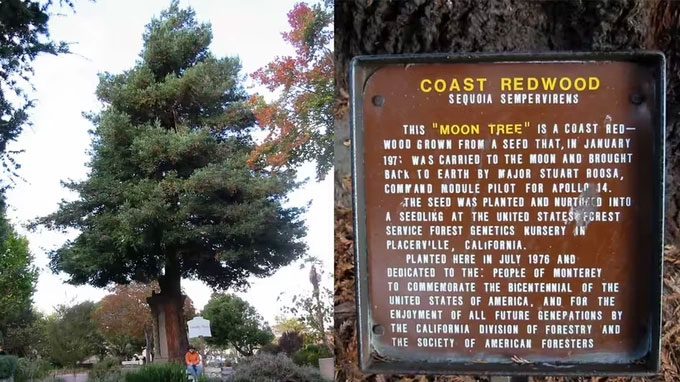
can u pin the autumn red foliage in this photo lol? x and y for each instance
(299, 121)
(124, 318)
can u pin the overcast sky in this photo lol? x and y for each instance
(107, 36)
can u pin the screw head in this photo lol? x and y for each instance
(378, 100)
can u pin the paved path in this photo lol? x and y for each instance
(79, 377)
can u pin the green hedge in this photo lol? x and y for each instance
(8, 366)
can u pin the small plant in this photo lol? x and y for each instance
(106, 370)
(170, 372)
(270, 348)
(310, 355)
(8, 366)
(265, 367)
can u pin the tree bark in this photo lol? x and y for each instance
(167, 310)
(367, 27)
(665, 27)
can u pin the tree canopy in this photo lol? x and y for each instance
(300, 121)
(28, 337)
(234, 322)
(285, 324)
(72, 335)
(170, 193)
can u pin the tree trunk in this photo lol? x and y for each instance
(167, 310)
(320, 319)
(149, 340)
(665, 26)
(364, 27)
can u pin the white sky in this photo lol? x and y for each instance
(107, 36)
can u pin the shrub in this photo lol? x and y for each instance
(8, 366)
(169, 372)
(290, 342)
(106, 370)
(32, 369)
(310, 355)
(270, 349)
(264, 367)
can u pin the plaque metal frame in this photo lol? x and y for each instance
(361, 69)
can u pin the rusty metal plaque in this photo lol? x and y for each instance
(509, 213)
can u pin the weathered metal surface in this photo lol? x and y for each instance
(509, 212)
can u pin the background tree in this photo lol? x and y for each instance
(234, 322)
(284, 324)
(17, 278)
(27, 338)
(24, 34)
(315, 310)
(290, 342)
(72, 334)
(411, 26)
(170, 194)
(299, 121)
(124, 318)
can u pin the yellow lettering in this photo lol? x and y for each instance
(506, 83)
(446, 129)
(593, 83)
(518, 83)
(580, 84)
(439, 85)
(454, 85)
(468, 84)
(426, 85)
(565, 83)
(549, 83)
(505, 128)
(532, 83)
(481, 81)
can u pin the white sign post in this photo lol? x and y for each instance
(199, 327)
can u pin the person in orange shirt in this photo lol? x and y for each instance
(193, 361)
